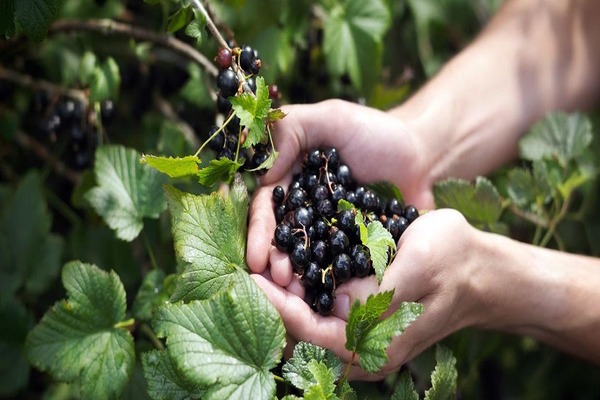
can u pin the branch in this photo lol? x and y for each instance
(27, 142)
(110, 27)
(39, 84)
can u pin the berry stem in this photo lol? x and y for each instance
(345, 376)
(149, 333)
(214, 134)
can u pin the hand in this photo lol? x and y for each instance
(436, 259)
(374, 144)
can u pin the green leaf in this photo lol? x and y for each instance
(105, 81)
(30, 255)
(79, 338)
(324, 386)
(253, 112)
(275, 115)
(296, 371)
(35, 16)
(444, 376)
(345, 391)
(226, 344)
(404, 389)
(557, 136)
(165, 381)
(127, 191)
(368, 335)
(196, 26)
(87, 65)
(479, 203)
(195, 90)
(380, 243)
(14, 367)
(178, 20)
(528, 188)
(7, 18)
(268, 163)
(156, 289)
(221, 170)
(209, 232)
(353, 38)
(175, 167)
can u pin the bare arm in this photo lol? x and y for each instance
(535, 56)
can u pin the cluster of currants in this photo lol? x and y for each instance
(238, 68)
(323, 240)
(65, 121)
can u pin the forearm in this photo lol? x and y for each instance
(533, 57)
(549, 295)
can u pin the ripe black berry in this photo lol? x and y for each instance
(326, 208)
(280, 211)
(338, 241)
(299, 257)
(411, 213)
(342, 268)
(318, 252)
(283, 237)
(314, 160)
(296, 198)
(312, 276)
(218, 142)
(228, 82)
(223, 104)
(302, 217)
(343, 175)
(324, 302)
(278, 194)
(346, 221)
(247, 58)
(361, 263)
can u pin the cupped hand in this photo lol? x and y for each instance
(374, 144)
(438, 256)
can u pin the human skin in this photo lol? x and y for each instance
(534, 57)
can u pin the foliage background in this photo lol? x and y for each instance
(161, 97)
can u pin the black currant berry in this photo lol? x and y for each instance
(393, 207)
(228, 82)
(312, 276)
(258, 158)
(247, 58)
(223, 104)
(319, 192)
(402, 225)
(332, 157)
(223, 58)
(296, 199)
(218, 142)
(302, 217)
(324, 303)
(283, 237)
(274, 92)
(314, 160)
(251, 84)
(346, 221)
(318, 252)
(343, 175)
(339, 193)
(361, 263)
(392, 226)
(320, 227)
(342, 268)
(326, 208)
(278, 195)
(299, 257)
(338, 241)
(328, 281)
(411, 213)
(226, 153)
(280, 212)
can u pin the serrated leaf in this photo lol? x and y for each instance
(227, 344)
(379, 242)
(30, 255)
(295, 369)
(345, 391)
(127, 191)
(35, 16)
(105, 81)
(178, 20)
(275, 114)
(368, 335)
(324, 386)
(253, 112)
(352, 38)
(196, 26)
(78, 339)
(557, 136)
(209, 232)
(527, 188)
(175, 167)
(404, 389)
(480, 203)
(14, 367)
(221, 170)
(156, 289)
(165, 382)
(7, 18)
(444, 376)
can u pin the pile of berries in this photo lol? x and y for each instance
(323, 242)
(238, 68)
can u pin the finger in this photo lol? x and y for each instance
(302, 323)
(260, 229)
(281, 267)
(349, 292)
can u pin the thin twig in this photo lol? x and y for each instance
(110, 27)
(39, 84)
(27, 142)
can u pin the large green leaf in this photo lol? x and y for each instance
(444, 376)
(352, 39)
(368, 335)
(165, 382)
(29, 254)
(14, 368)
(127, 191)
(404, 389)
(227, 344)
(558, 136)
(209, 232)
(35, 16)
(480, 203)
(253, 111)
(216, 171)
(80, 339)
(295, 369)
(175, 167)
